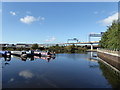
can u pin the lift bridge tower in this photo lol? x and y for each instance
(74, 39)
(95, 35)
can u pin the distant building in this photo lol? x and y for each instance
(18, 45)
(46, 45)
(9, 45)
(3, 45)
(22, 45)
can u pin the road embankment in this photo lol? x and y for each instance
(111, 58)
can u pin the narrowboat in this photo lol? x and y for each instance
(5, 53)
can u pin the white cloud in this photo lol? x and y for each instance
(30, 19)
(109, 20)
(51, 39)
(12, 13)
(26, 74)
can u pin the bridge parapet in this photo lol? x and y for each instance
(112, 52)
(110, 58)
(92, 42)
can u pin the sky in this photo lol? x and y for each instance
(60, 0)
(55, 22)
(0, 21)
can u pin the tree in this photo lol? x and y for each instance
(110, 38)
(66, 49)
(70, 48)
(35, 46)
(41, 48)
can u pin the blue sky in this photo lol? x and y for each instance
(51, 22)
(0, 21)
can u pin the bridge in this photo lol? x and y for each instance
(91, 43)
(77, 41)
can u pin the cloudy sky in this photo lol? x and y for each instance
(51, 22)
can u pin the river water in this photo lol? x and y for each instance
(63, 71)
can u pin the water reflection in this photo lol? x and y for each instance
(44, 58)
(109, 74)
(11, 80)
(26, 74)
(93, 59)
(23, 58)
(7, 58)
(64, 71)
(6, 61)
(32, 58)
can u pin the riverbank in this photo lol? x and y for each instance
(89, 50)
(110, 58)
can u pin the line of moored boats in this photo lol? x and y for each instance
(27, 53)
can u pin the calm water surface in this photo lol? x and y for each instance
(64, 71)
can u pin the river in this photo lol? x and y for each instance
(63, 71)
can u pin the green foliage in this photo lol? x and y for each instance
(57, 48)
(41, 48)
(67, 49)
(17, 49)
(35, 46)
(8, 48)
(110, 39)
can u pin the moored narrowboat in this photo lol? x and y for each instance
(5, 53)
(44, 53)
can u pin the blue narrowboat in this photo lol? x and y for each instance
(5, 53)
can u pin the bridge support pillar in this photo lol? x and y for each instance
(91, 54)
(91, 46)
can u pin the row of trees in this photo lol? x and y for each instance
(111, 38)
(15, 49)
(34, 47)
(62, 49)
(57, 48)
(67, 49)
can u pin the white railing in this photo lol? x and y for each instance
(113, 52)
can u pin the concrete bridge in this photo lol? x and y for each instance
(91, 43)
(95, 35)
